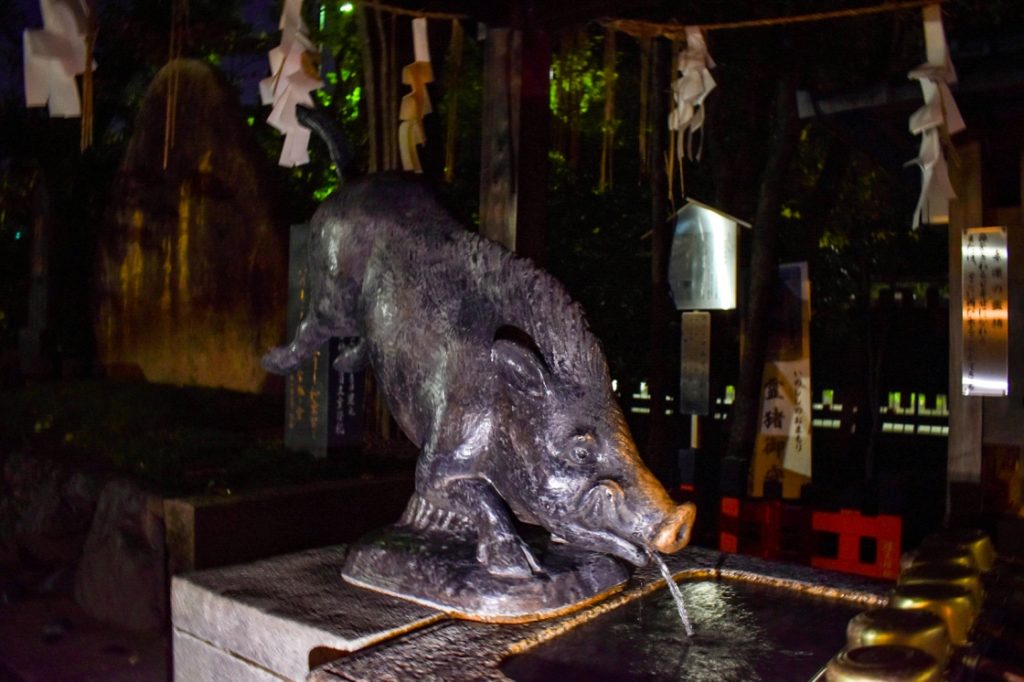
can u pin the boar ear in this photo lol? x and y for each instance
(520, 367)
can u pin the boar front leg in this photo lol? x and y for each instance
(499, 548)
(352, 356)
(448, 476)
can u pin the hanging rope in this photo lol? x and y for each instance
(644, 129)
(558, 82)
(608, 125)
(674, 137)
(402, 12)
(179, 33)
(676, 31)
(87, 80)
(452, 81)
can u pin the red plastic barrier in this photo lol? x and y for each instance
(752, 527)
(761, 529)
(729, 525)
(851, 526)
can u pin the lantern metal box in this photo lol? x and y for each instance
(702, 267)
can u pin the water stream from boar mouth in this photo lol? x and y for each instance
(673, 588)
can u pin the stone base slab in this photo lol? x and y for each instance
(271, 619)
(441, 571)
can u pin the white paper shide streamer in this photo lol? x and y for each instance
(293, 76)
(939, 111)
(689, 91)
(416, 104)
(54, 55)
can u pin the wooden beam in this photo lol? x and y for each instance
(963, 459)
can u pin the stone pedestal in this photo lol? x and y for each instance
(278, 618)
(440, 570)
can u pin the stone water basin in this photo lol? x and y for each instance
(742, 631)
(753, 620)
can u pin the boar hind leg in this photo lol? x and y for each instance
(500, 550)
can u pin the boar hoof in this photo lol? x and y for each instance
(351, 356)
(507, 557)
(280, 360)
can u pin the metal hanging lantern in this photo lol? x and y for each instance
(703, 263)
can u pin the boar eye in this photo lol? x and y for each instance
(581, 454)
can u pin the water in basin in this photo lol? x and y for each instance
(742, 631)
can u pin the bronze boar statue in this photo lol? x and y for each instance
(490, 369)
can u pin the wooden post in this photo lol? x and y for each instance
(657, 436)
(499, 151)
(513, 167)
(963, 459)
(533, 145)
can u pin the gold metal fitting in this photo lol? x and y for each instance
(952, 603)
(973, 540)
(883, 663)
(944, 553)
(951, 574)
(918, 628)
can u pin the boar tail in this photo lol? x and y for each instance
(320, 123)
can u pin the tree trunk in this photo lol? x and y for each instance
(763, 271)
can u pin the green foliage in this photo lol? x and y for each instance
(599, 248)
(863, 242)
(578, 72)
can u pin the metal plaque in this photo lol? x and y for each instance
(985, 311)
(695, 365)
(702, 269)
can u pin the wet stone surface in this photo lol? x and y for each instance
(742, 631)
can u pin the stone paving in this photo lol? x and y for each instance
(47, 637)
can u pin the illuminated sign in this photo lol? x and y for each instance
(985, 311)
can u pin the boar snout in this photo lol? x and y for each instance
(674, 532)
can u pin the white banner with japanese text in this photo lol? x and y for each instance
(782, 457)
